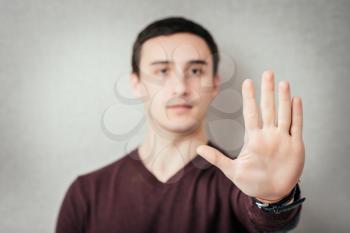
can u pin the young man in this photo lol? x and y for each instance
(163, 185)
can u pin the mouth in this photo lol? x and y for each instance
(179, 108)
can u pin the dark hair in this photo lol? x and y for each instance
(168, 26)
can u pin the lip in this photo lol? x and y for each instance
(179, 106)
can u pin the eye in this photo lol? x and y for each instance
(163, 71)
(196, 71)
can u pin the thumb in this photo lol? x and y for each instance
(216, 158)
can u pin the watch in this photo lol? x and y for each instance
(284, 204)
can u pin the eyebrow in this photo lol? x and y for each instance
(165, 62)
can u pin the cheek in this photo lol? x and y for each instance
(204, 102)
(206, 82)
(156, 101)
(202, 90)
(153, 90)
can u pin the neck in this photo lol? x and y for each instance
(166, 152)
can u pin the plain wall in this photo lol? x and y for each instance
(63, 62)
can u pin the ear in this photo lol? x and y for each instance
(216, 85)
(137, 86)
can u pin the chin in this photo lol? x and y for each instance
(182, 126)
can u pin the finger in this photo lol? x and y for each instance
(284, 106)
(297, 118)
(267, 99)
(216, 158)
(250, 108)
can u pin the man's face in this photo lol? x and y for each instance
(176, 80)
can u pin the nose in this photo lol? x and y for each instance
(180, 85)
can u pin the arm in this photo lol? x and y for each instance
(72, 211)
(257, 220)
(272, 158)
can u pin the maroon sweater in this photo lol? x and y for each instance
(125, 197)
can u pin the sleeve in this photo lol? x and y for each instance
(257, 220)
(72, 213)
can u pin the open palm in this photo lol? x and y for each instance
(272, 158)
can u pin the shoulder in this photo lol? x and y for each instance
(107, 173)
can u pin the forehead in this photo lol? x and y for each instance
(179, 47)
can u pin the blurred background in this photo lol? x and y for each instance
(65, 94)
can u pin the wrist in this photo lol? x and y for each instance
(289, 202)
(266, 201)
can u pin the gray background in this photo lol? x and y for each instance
(60, 61)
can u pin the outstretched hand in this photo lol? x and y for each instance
(272, 158)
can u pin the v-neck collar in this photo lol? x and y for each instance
(197, 162)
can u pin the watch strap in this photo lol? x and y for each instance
(284, 204)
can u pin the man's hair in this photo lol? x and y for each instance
(168, 26)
